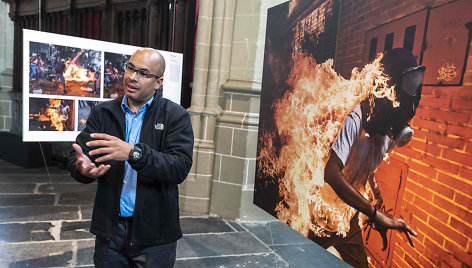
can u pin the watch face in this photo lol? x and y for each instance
(136, 155)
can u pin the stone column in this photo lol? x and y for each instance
(237, 127)
(6, 67)
(215, 21)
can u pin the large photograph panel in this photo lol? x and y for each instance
(81, 73)
(345, 95)
(64, 70)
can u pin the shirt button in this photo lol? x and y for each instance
(135, 119)
(122, 202)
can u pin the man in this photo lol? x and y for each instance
(139, 148)
(367, 135)
(60, 67)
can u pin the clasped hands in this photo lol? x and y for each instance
(110, 147)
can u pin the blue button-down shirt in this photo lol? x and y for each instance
(133, 130)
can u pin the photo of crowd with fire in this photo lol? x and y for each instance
(114, 71)
(51, 114)
(62, 70)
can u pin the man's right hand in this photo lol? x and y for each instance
(384, 221)
(85, 166)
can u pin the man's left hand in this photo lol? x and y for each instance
(112, 148)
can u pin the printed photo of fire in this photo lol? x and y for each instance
(51, 114)
(365, 130)
(63, 70)
(114, 71)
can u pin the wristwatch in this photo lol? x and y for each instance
(136, 153)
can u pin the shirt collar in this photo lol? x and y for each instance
(124, 104)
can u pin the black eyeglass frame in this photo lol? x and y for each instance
(128, 66)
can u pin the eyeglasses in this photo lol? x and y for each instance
(140, 72)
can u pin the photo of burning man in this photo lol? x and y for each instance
(51, 114)
(113, 80)
(63, 70)
(85, 107)
(322, 136)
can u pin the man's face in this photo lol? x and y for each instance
(140, 88)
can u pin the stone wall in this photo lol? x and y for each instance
(6, 67)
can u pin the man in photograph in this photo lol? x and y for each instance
(368, 133)
(59, 68)
(138, 148)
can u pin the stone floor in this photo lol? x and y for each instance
(44, 222)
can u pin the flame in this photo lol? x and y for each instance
(74, 72)
(52, 114)
(291, 7)
(308, 118)
(83, 121)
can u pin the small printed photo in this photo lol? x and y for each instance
(85, 107)
(114, 71)
(63, 70)
(51, 114)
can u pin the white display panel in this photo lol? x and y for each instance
(56, 106)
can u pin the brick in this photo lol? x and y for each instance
(449, 232)
(439, 214)
(410, 261)
(463, 92)
(464, 159)
(460, 105)
(419, 133)
(464, 132)
(450, 117)
(466, 173)
(453, 143)
(458, 252)
(435, 102)
(409, 152)
(424, 262)
(398, 261)
(458, 184)
(423, 112)
(463, 200)
(468, 147)
(417, 144)
(417, 212)
(422, 169)
(436, 236)
(433, 247)
(452, 208)
(419, 192)
(436, 187)
(429, 125)
(441, 164)
(433, 149)
(460, 226)
(427, 91)
(408, 196)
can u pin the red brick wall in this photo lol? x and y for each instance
(437, 201)
(359, 16)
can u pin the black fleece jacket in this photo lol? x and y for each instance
(167, 139)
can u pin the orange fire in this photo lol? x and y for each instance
(53, 114)
(74, 72)
(308, 119)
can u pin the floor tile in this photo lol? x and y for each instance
(204, 225)
(268, 260)
(219, 244)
